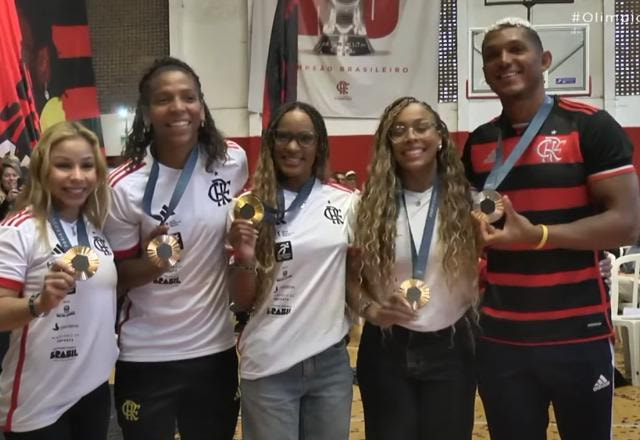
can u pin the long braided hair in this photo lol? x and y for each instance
(265, 185)
(141, 135)
(375, 232)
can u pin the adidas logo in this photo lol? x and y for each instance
(491, 158)
(601, 383)
(58, 250)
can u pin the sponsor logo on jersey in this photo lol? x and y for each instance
(284, 251)
(63, 353)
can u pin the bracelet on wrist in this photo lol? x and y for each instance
(246, 267)
(544, 238)
(31, 303)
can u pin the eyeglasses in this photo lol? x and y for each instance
(303, 138)
(399, 132)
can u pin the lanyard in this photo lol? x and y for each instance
(178, 191)
(419, 258)
(300, 198)
(56, 225)
(501, 169)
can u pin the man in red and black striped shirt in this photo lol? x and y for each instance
(545, 318)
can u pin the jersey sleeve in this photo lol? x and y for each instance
(351, 215)
(122, 227)
(606, 148)
(16, 243)
(238, 154)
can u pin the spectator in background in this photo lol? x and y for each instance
(9, 184)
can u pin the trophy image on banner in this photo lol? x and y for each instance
(343, 31)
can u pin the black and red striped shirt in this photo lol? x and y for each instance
(549, 296)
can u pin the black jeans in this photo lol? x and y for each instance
(416, 385)
(88, 419)
(198, 394)
(517, 384)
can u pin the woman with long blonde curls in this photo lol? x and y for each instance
(294, 368)
(62, 346)
(417, 281)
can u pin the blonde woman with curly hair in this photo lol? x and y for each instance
(415, 367)
(296, 381)
(62, 346)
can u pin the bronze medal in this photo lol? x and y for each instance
(164, 250)
(249, 207)
(416, 292)
(488, 203)
(83, 260)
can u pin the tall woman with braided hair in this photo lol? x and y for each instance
(417, 279)
(177, 361)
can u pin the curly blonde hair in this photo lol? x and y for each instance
(265, 186)
(37, 195)
(375, 231)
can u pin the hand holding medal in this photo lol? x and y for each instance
(249, 207)
(517, 230)
(81, 258)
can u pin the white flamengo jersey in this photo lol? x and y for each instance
(305, 312)
(184, 313)
(55, 360)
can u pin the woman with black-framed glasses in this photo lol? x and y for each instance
(290, 273)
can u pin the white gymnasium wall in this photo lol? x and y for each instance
(212, 36)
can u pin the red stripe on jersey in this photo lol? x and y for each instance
(546, 199)
(71, 41)
(561, 149)
(340, 187)
(118, 171)
(21, 220)
(11, 284)
(577, 106)
(532, 344)
(117, 175)
(542, 280)
(17, 218)
(127, 253)
(233, 144)
(80, 103)
(626, 169)
(15, 392)
(544, 316)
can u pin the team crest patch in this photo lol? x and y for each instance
(130, 410)
(100, 244)
(219, 191)
(334, 214)
(550, 149)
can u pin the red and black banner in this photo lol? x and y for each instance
(18, 118)
(281, 79)
(56, 48)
